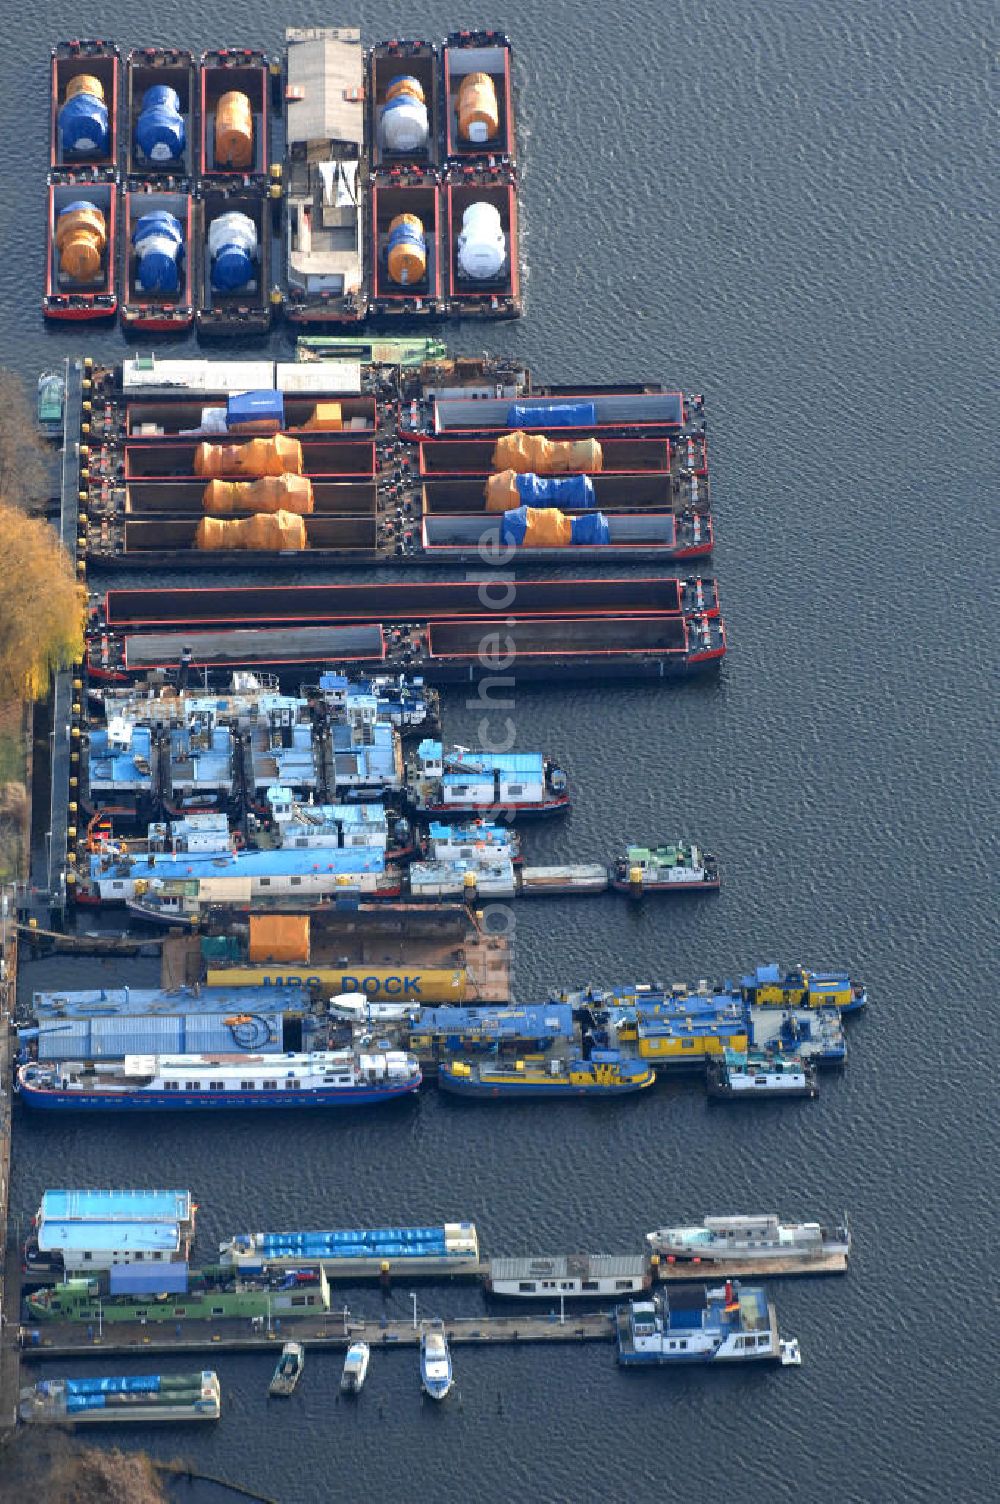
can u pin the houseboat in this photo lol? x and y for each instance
(80, 275)
(331, 1078)
(751, 1075)
(462, 782)
(692, 1324)
(799, 988)
(568, 1276)
(749, 1237)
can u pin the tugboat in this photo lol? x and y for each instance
(289, 1370)
(355, 1372)
(435, 1363)
(680, 867)
(749, 1075)
(749, 1237)
(605, 1074)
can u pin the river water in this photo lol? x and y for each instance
(785, 206)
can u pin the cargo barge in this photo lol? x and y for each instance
(482, 244)
(232, 254)
(141, 1399)
(234, 90)
(157, 276)
(80, 274)
(478, 97)
(161, 114)
(84, 133)
(403, 94)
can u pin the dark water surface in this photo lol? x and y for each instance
(784, 205)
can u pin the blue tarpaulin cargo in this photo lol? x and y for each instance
(592, 527)
(551, 415)
(567, 491)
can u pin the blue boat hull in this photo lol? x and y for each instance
(162, 1101)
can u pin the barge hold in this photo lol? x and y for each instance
(232, 254)
(136, 1398)
(158, 267)
(233, 86)
(81, 261)
(161, 114)
(478, 97)
(403, 94)
(85, 132)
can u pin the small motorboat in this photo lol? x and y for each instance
(289, 1369)
(789, 1352)
(435, 1363)
(355, 1368)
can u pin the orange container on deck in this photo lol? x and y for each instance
(277, 455)
(267, 532)
(532, 453)
(234, 131)
(272, 493)
(478, 111)
(326, 417)
(279, 937)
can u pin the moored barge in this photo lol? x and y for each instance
(157, 260)
(233, 88)
(161, 114)
(84, 107)
(403, 95)
(80, 277)
(139, 1398)
(233, 259)
(478, 97)
(605, 1074)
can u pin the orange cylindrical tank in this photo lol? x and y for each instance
(234, 130)
(478, 111)
(271, 493)
(277, 455)
(501, 492)
(84, 83)
(81, 240)
(407, 254)
(525, 453)
(263, 533)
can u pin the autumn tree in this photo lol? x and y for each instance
(42, 608)
(25, 464)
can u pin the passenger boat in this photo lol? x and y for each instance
(331, 1078)
(80, 281)
(86, 134)
(413, 137)
(158, 260)
(606, 1074)
(748, 1076)
(482, 245)
(692, 1324)
(288, 1370)
(463, 782)
(234, 131)
(481, 53)
(233, 259)
(749, 1237)
(141, 1398)
(678, 868)
(435, 1362)
(352, 1380)
(801, 988)
(325, 177)
(160, 113)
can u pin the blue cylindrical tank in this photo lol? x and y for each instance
(567, 491)
(160, 134)
(83, 126)
(159, 250)
(232, 249)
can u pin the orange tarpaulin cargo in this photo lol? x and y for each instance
(528, 453)
(271, 493)
(279, 937)
(264, 533)
(277, 455)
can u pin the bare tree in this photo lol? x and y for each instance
(24, 460)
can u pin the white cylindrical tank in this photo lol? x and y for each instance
(232, 249)
(405, 125)
(482, 249)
